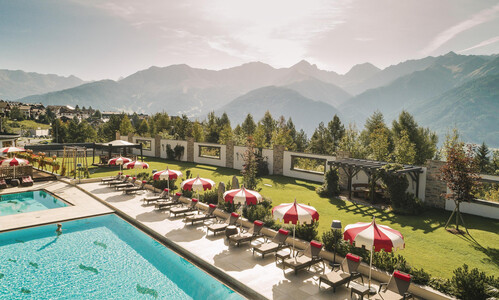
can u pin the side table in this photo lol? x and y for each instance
(358, 289)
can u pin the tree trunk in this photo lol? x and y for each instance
(457, 215)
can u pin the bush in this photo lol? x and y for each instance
(331, 186)
(442, 285)
(144, 176)
(471, 284)
(170, 153)
(305, 232)
(330, 238)
(163, 184)
(260, 211)
(210, 197)
(178, 150)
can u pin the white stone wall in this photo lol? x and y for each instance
(210, 161)
(144, 152)
(268, 156)
(301, 174)
(478, 207)
(172, 144)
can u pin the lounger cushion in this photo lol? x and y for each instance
(283, 231)
(316, 244)
(402, 276)
(194, 200)
(353, 257)
(235, 215)
(166, 190)
(268, 247)
(335, 278)
(390, 295)
(258, 223)
(212, 206)
(178, 194)
(297, 261)
(217, 227)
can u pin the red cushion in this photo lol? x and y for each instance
(178, 194)
(127, 176)
(402, 276)
(212, 205)
(194, 200)
(316, 244)
(353, 257)
(283, 231)
(119, 173)
(134, 178)
(166, 190)
(258, 223)
(235, 215)
(143, 181)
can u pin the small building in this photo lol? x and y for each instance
(39, 132)
(8, 139)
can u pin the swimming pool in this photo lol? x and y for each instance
(98, 258)
(17, 203)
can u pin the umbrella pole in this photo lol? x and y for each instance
(370, 266)
(294, 227)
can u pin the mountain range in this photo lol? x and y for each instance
(441, 92)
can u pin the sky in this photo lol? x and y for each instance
(97, 39)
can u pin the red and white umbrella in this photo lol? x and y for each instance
(167, 175)
(295, 213)
(197, 184)
(11, 149)
(373, 237)
(14, 161)
(242, 196)
(136, 165)
(118, 161)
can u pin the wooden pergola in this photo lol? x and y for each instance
(352, 166)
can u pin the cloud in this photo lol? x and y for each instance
(481, 17)
(482, 44)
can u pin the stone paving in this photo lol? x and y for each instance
(262, 275)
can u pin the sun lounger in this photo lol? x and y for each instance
(164, 195)
(396, 288)
(305, 259)
(346, 273)
(183, 210)
(108, 179)
(119, 181)
(3, 184)
(210, 214)
(26, 181)
(247, 236)
(277, 243)
(220, 227)
(163, 204)
(126, 184)
(135, 189)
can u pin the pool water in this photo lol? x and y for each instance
(98, 258)
(17, 203)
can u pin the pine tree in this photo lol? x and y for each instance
(301, 141)
(482, 157)
(404, 152)
(226, 134)
(321, 141)
(143, 127)
(248, 126)
(337, 131)
(197, 132)
(380, 144)
(259, 137)
(250, 167)
(269, 124)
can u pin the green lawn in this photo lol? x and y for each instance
(428, 244)
(26, 124)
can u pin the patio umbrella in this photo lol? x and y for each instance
(373, 237)
(11, 149)
(295, 213)
(197, 184)
(119, 161)
(136, 165)
(167, 175)
(14, 161)
(242, 196)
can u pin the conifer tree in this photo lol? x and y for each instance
(482, 157)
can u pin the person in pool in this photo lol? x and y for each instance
(59, 229)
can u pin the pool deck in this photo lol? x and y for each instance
(261, 275)
(82, 205)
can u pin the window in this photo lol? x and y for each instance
(146, 144)
(209, 152)
(308, 164)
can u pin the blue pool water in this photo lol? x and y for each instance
(17, 203)
(98, 258)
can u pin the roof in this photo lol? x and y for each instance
(367, 164)
(118, 143)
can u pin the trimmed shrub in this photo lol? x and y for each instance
(305, 232)
(210, 197)
(331, 186)
(471, 284)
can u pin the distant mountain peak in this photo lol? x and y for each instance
(363, 68)
(304, 65)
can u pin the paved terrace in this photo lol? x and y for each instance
(262, 275)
